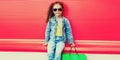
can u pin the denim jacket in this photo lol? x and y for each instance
(50, 33)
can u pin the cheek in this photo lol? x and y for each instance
(61, 12)
(54, 12)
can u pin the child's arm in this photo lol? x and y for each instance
(68, 32)
(47, 32)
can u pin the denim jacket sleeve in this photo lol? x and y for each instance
(68, 32)
(47, 32)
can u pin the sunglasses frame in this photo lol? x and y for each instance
(57, 9)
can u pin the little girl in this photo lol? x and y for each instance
(58, 30)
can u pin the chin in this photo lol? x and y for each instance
(57, 15)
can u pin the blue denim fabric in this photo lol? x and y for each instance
(55, 49)
(50, 33)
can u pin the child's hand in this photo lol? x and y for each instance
(45, 43)
(72, 45)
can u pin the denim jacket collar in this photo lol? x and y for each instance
(54, 19)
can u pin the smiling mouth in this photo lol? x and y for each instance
(57, 13)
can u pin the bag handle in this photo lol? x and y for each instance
(71, 50)
(75, 52)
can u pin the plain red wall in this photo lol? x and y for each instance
(90, 19)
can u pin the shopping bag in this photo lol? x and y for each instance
(73, 56)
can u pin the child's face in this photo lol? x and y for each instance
(57, 10)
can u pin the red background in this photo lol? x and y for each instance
(90, 19)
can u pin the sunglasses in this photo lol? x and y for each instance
(59, 9)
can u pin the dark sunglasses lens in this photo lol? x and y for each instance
(54, 9)
(60, 9)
